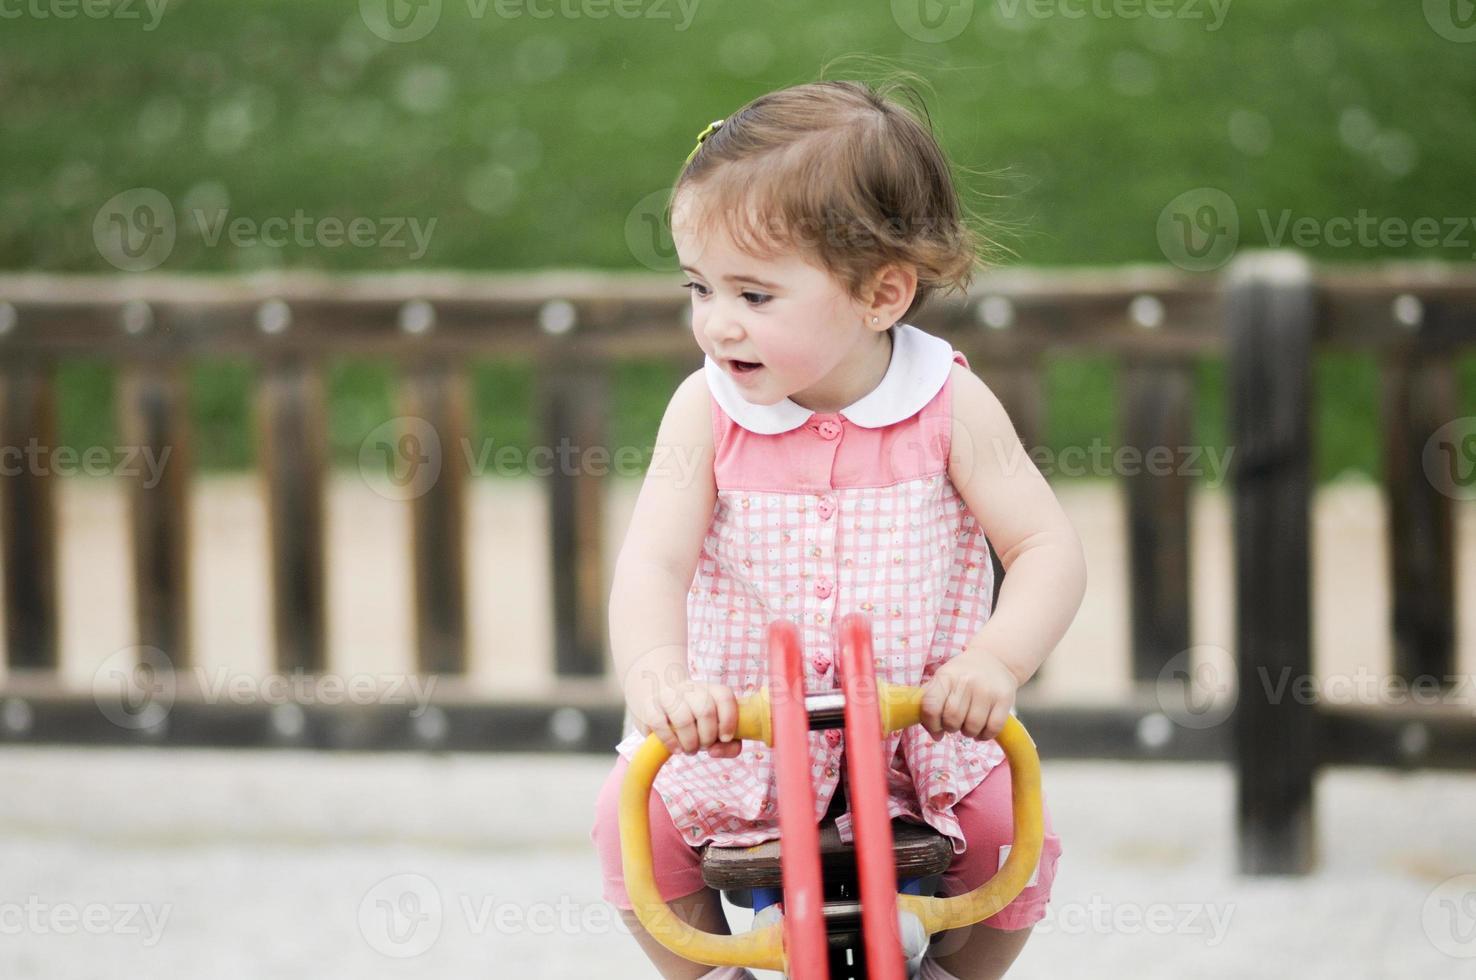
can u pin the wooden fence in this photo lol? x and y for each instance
(1268, 315)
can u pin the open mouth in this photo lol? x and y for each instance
(744, 367)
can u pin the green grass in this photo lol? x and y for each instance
(529, 141)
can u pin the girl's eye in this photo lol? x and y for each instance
(757, 299)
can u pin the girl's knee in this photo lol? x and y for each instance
(675, 864)
(986, 818)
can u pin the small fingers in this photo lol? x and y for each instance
(999, 716)
(955, 708)
(684, 726)
(705, 714)
(977, 721)
(727, 708)
(932, 704)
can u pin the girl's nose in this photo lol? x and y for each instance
(723, 331)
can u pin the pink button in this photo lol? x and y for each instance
(828, 429)
(827, 507)
(833, 736)
(820, 662)
(823, 588)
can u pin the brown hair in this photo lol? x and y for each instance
(842, 172)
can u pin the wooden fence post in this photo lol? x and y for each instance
(573, 405)
(291, 410)
(1270, 312)
(28, 515)
(1419, 396)
(153, 409)
(1157, 409)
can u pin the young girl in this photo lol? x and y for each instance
(830, 457)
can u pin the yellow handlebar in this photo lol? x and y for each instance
(763, 949)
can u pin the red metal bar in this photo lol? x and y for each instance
(867, 783)
(806, 949)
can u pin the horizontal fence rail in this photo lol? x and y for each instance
(1268, 315)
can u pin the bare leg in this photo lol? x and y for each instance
(978, 952)
(702, 909)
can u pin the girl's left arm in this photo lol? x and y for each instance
(1039, 549)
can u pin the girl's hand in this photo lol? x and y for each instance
(972, 693)
(688, 716)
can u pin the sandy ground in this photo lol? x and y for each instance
(370, 616)
(186, 864)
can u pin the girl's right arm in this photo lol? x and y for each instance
(648, 598)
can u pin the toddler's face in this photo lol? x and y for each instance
(782, 312)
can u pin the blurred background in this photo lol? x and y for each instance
(250, 250)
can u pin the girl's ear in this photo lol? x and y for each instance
(891, 293)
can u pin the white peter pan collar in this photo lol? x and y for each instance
(920, 365)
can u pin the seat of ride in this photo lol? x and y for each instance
(922, 855)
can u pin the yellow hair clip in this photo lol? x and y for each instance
(712, 127)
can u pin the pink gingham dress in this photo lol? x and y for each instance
(818, 515)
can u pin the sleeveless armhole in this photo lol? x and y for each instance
(715, 413)
(947, 411)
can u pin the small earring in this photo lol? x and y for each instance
(875, 320)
